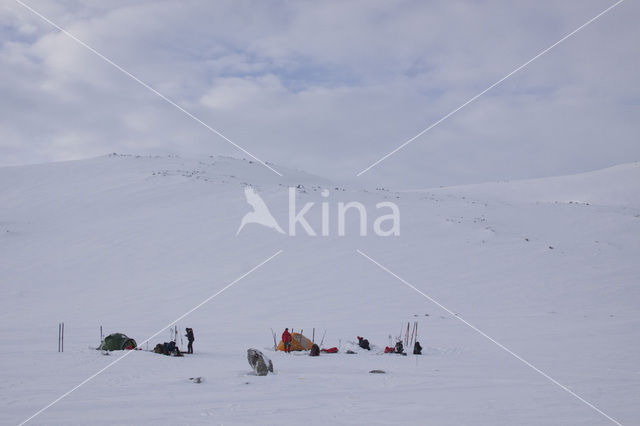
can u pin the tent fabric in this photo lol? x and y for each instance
(117, 342)
(298, 343)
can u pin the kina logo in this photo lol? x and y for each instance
(384, 225)
(260, 214)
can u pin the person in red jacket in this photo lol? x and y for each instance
(286, 340)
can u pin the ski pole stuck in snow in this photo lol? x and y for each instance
(413, 329)
(60, 337)
(406, 336)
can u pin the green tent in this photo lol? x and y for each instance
(117, 342)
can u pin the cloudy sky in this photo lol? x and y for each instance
(327, 87)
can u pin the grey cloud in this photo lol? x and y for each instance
(327, 87)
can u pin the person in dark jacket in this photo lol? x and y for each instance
(363, 343)
(169, 347)
(190, 338)
(286, 340)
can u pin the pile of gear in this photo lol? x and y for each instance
(167, 348)
(298, 342)
(171, 348)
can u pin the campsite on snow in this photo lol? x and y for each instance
(130, 244)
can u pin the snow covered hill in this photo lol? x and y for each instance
(548, 268)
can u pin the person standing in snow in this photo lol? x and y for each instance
(190, 338)
(286, 340)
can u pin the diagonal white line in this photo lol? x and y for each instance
(500, 345)
(145, 85)
(381, 159)
(127, 353)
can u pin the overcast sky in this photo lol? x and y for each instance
(327, 87)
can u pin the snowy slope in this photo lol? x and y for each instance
(616, 185)
(547, 267)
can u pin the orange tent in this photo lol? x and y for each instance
(298, 343)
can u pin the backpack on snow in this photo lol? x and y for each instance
(169, 347)
(315, 350)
